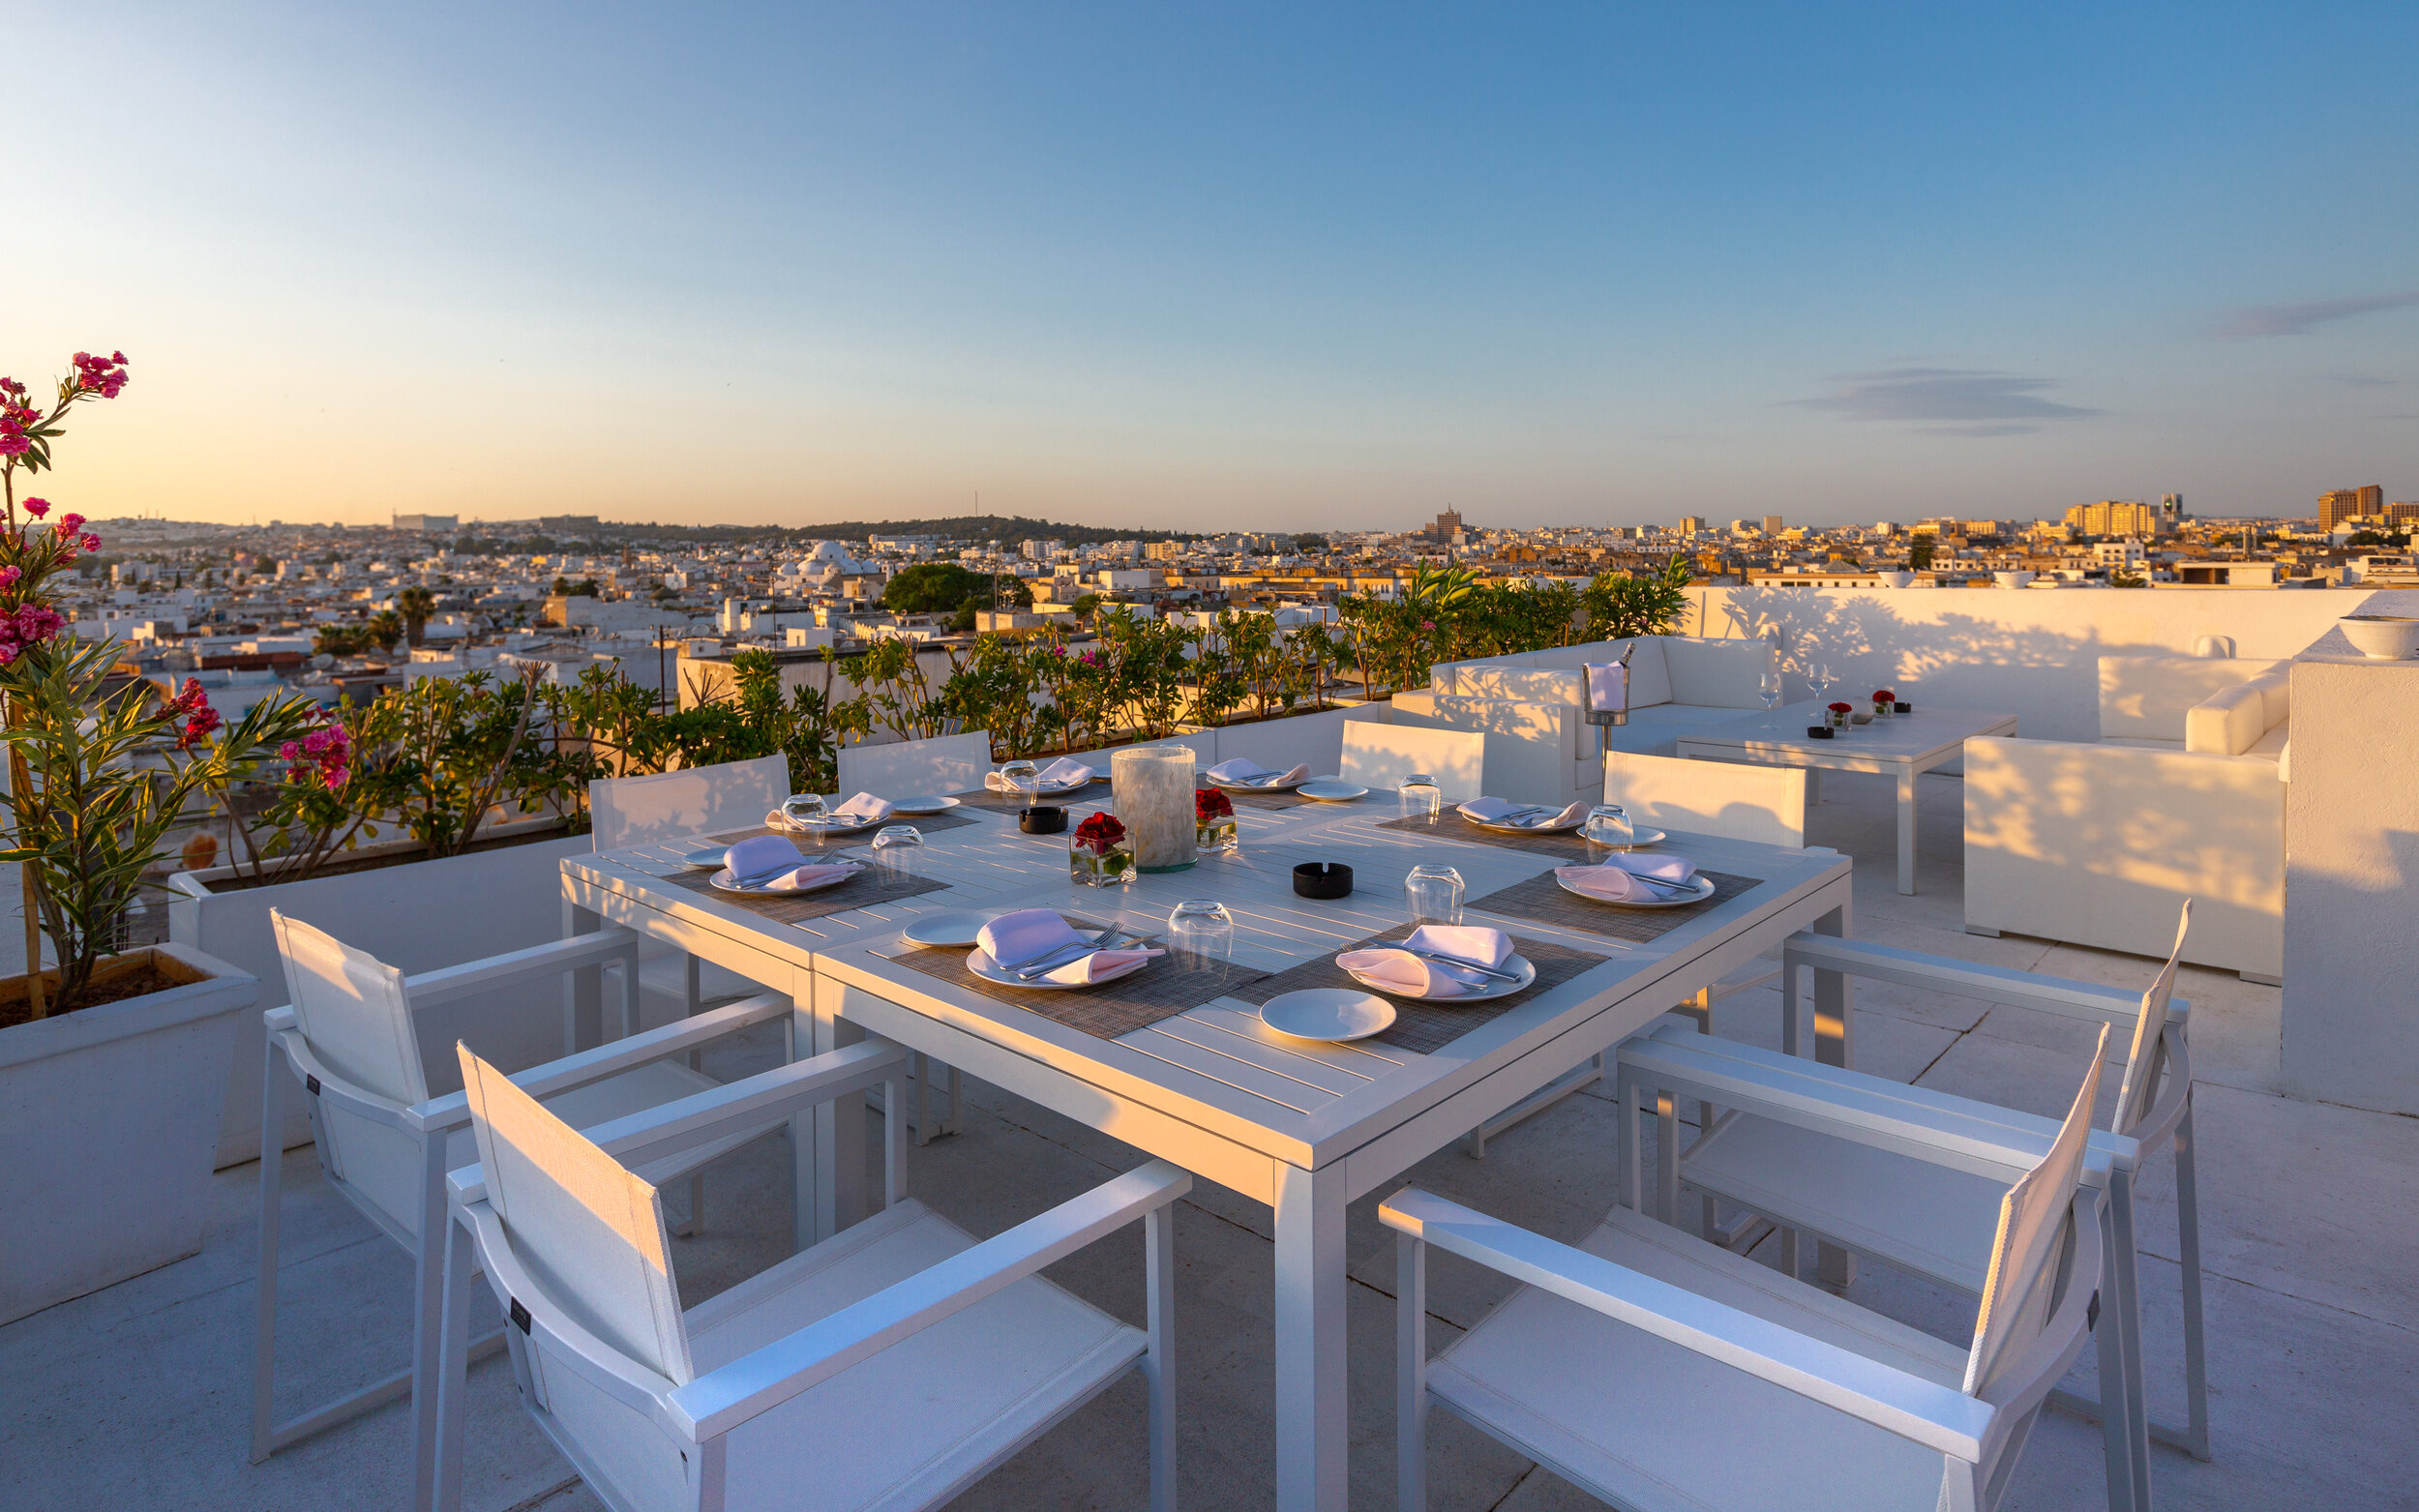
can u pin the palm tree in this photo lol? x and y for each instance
(385, 628)
(415, 603)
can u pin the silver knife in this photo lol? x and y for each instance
(1066, 954)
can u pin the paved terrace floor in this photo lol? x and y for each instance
(135, 1397)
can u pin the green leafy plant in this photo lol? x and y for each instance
(1617, 606)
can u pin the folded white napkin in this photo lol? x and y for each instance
(1611, 879)
(1608, 687)
(863, 809)
(1491, 811)
(751, 856)
(1243, 772)
(1065, 772)
(1399, 970)
(1014, 939)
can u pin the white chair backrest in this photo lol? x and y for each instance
(1732, 799)
(2022, 1284)
(1379, 756)
(947, 764)
(590, 1232)
(352, 1010)
(2214, 649)
(696, 800)
(2134, 1093)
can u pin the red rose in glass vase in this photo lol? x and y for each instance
(1098, 833)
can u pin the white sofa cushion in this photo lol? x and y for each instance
(2227, 722)
(2145, 697)
(2277, 689)
(1718, 673)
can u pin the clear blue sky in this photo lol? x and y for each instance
(1277, 267)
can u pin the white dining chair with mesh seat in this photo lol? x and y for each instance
(891, 1366)
(385, 1133)
(684, 805)
(1663, 1374)
(1379, 756)
(942, 765)
(1821, 1150)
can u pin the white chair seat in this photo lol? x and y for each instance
(1648, 1425)
(926, 1417)
(1929, 1219)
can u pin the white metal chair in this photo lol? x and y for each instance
(944, 764)
(1379, 756)
(386, 1137)
(891, 1366)
(667, 806)
(1822, 1149)
(1661, 1373)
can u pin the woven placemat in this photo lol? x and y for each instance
(1451, 825)
(1541, 900)
(1160, 989)
(1095, 792)
(814, 841)
(1418, 1024)
(862, 891)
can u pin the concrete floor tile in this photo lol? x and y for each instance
(2015, 1075)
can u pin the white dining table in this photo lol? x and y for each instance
(1301, 1126)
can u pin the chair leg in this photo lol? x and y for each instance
(2129, 1321)
(2195, 1343)
(453, 1368)
(694, 1224)
(2116, 1432)
(272, 1075)
(1159, 1364)
(1666, 1158)
(1410, 1374)
(427, 1318)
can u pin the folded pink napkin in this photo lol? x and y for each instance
(1491, 811)
(1612, 881)
(1028, 935)
(750, 857)
(1396, 969)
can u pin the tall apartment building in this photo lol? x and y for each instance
(1772, 524)
(1040, 550)
(1448, 525)
(2337, 505)
(1691, 524)
(1163, 550)
(2114, 518)
(2171, 511)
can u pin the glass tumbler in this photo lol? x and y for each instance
(1022, 778)
(1201, 935)
(1434, 895)
(1422, 799)
(802, 809)
(1608, 824)
(898, 853)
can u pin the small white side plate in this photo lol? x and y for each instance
(705, 858)
(1647, 837)
(720, 882)
(947, 930)
(1703, 885)
(1468, 995)
(1332, 789)
(990, 970)
(923, 803)
(1327, 1012)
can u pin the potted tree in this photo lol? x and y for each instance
(113, 1061)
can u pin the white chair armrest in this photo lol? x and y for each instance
(720, 1401)
(329, 1088)
(760, 1101)
(1968, 979)
(1938, 1128)
(536, 962)
(1921, 1412)
(612, 1059)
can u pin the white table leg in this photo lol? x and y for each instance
(1312, 1435)
(583, 991)
(839, 1125)
(1906, 830)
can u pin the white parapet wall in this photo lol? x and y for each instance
(2351, 863)
(2031, 652)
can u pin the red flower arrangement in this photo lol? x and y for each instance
(1884, 696)
(1843, 709)
(1098, 833)
(1210, 804)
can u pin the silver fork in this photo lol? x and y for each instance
(1065, 954)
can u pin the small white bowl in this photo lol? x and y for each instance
(2015, 579)
(2382, 637)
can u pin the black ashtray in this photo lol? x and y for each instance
(1903, 708)
(1818, 733)
(1042, 821)
(1322, 879)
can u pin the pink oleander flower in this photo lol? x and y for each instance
(204, 720)
(12, 386)
(13, 441)
(104, 375)
(92, 543)
(69, 523)
(289, 752)
(9, 576)
(33, 623)
(37, 507)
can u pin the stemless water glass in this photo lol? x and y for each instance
(1768, 687)
(1434, 895)
(899, 853)
(1608, 824)
(802, 809)
(1201, 935)
(1422, 799)
(1022, 778)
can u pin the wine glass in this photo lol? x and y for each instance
(1822, 691)
(898, 853)
(1022, 778)
(1201, 935)
(1768, 687)
(1420, 797)
(1434, 895)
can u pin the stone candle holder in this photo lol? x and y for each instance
(1155, 798)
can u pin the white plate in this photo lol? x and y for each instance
(928, 803)
(1047, 790)
(1468, 995)
(945, 929)
(1502, 828)
(1327, 1012)
(1332, 789)
(781, 825)
(1704, 889)
(720, 882)
(708, 858)
(1644, 837)
(990, 970)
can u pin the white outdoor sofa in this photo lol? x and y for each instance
(1533, 707)
(2183, 796)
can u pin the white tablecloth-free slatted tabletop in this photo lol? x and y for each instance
(1303, 1126)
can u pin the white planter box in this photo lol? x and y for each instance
(110, 1117)
(416, 916)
